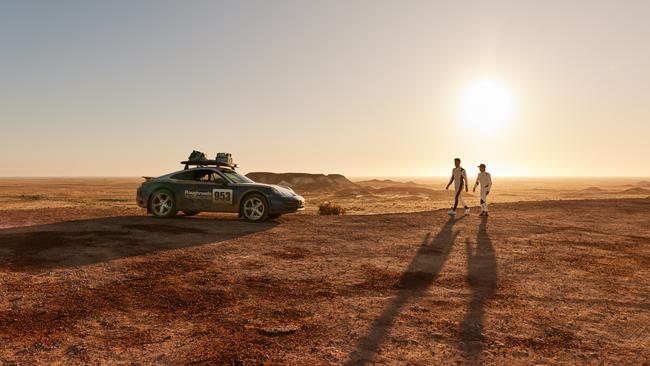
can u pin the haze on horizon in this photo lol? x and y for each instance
(361, 88)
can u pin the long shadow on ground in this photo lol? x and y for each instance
(134, 304)
(414, 282)
(482, 278)
(83, 242)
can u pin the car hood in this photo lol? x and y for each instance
(279, 188)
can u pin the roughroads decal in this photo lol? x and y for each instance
(201, 195)
(222, 195)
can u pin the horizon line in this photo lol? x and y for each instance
(347, 176)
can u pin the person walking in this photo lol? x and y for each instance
(485, 180)
(459, 177)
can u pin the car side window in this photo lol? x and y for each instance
(196, 175)
(203, 175)
(217, 179)
(184, 176)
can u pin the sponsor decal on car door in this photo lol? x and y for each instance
(222, 196)
(194, 197)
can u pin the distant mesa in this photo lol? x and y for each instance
(381, 183)
(593, 190)
(636, 191)
(304, 181)
(376, 181)
(342, 187)
(643, 183)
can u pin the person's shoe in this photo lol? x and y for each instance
(467, 211)
(451, 213)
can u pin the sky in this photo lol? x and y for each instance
(361, 88)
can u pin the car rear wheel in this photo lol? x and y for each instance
(163, 204)
(254, 208)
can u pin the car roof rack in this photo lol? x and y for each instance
(208, 163)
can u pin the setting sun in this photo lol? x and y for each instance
(486, 105)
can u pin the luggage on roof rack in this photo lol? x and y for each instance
(224, 158)
(198, 159)
(197, 156)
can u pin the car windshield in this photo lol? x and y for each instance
(235, 177)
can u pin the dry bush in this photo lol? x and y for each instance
(328, 208)
(30, 197)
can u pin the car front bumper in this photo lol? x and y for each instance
(282, 205)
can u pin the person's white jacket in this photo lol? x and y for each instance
(484, 179)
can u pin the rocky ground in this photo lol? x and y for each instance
(553, 282)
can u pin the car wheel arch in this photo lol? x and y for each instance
(248, 193)
(156, 189)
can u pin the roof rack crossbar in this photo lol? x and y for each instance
(202, 163)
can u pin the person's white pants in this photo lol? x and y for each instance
(484, 200)
(458, 198)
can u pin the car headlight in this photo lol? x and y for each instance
(284, 192)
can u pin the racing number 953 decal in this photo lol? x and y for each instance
(222, 195)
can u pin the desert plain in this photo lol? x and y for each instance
(557, 274)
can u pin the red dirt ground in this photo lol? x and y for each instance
(561, 282)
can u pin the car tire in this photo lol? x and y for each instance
(191, 213)
(163, 204)
(254, 208)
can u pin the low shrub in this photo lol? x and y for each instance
(328, 208)
(31, 197)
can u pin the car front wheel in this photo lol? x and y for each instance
(254, 208)
(163, 204)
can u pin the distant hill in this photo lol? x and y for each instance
(405, 190)
(304, 181)
(376, 182)
(593, 190)
(339, 186)
(636, 191)
(381, 183)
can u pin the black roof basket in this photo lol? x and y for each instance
(201, 163)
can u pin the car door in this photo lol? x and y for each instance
(222, 193)
(236, 185)
(186, 191)
(203, 190)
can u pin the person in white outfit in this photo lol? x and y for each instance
(485, 180)
(459, 177)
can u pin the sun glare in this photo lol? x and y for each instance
(486, 105)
